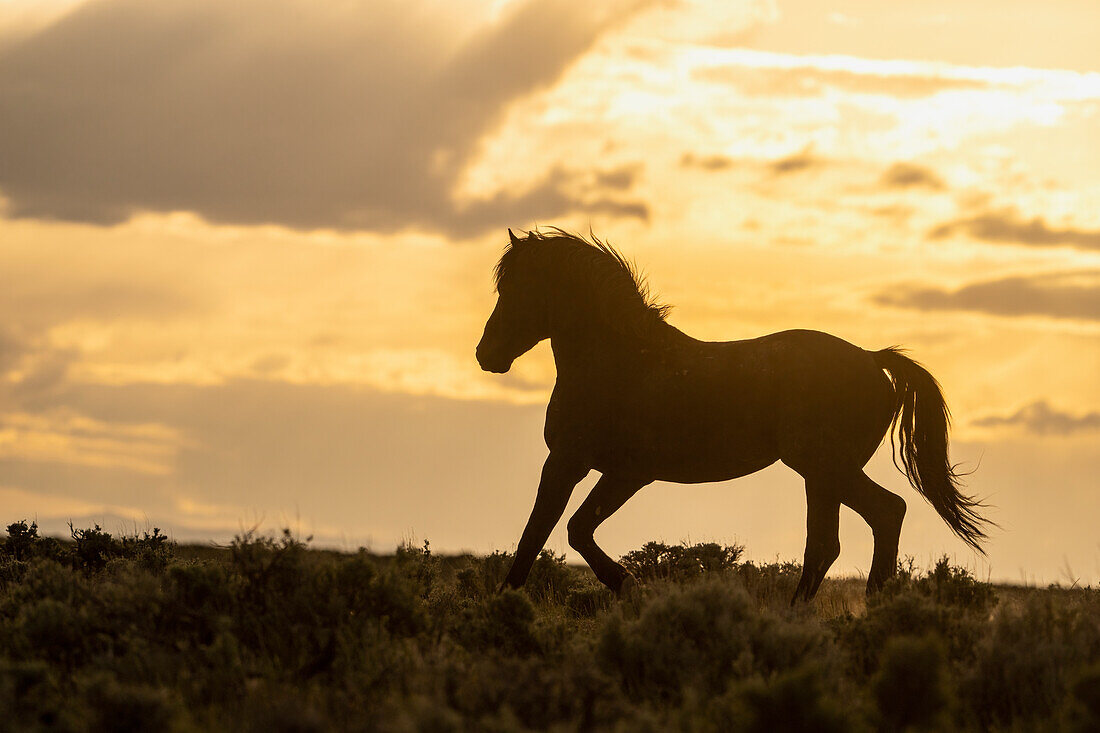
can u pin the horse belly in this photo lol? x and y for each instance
(685, 446)
(713, 453)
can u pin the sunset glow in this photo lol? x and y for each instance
(246, 252)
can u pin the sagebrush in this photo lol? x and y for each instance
(133, 633)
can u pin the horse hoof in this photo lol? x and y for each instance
(628, 588)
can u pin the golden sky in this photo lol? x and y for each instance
(245, 251)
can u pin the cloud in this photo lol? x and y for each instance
(798, 162)
(911, 175)
(811, 81)
(1042, 419)
(795, 163)
(74, 440)
(80, 295)
(1008, 225)
(30, 368)
(358, 115)
(706, 162)
(343, 455)
(1074, 294)
(12, 349)
(707, 22)
(621, 179)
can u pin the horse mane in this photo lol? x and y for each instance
(624, 298)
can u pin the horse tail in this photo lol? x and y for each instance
(922, 419)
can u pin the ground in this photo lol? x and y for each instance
(102, 633)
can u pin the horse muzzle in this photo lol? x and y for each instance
(492, 362)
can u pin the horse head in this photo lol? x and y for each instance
(521, 318)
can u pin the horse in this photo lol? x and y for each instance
(638, 400)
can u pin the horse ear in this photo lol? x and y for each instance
(514, 239)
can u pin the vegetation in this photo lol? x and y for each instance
(102, 633)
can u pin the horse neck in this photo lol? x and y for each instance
(592, 347)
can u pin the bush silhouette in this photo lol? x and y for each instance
(794, 700)
(132, 632)
(504, 622)
(21, 540)
(911, 687)
(701, 635)
(658, 561)
(1086, 692)
(1030, 656)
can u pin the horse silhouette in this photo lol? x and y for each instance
(639, 401)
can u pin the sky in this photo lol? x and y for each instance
(246, 252)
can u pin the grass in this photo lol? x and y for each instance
(105, 633)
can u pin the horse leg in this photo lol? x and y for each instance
(560, 475)
(822, 536)
(883, 511)
(609, 493)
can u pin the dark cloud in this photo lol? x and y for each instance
(1055, 295)
(796, 163)
(911, 175)
(12, 349)
(625, 209)
(619, 179)
(359, 115)
(1008, 225)
(809, 81)
(1042, 419)
(705, 162)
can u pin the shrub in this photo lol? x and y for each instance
(94, 548)
(658, 561)
(911, 688)
(497, 692)
(908, 613)
(955, 586)
(1025, 663)
(1086, 694)
(946, 602)
(588, 599)
(29, 696)
(419, 564)
(483, 576)
(21, 540)
(386, 598)
(114, 706)
(151, 551)
(91, 549)
(128, 632)
(273, 708)
(504, 622)
(550, 579)
(201, 594)
(269, 568)
(794, 700)
(700, 635)
(20, 547)
(51, 629)
(771, 584)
